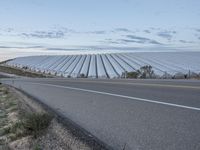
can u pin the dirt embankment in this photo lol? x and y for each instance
(21, 72)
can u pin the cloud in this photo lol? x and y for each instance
(44, 34)
(147, 31)
(136, 37)
(141, 40)
(21, 47)
(155, 42)
(116, 30)
(155, 29)
(63, 49)
(5, 47)
(107, 48)
(9, 30)
(185, 42)
(97, 32)
(198, 30)
(122, 30)
(131, 39)
(167, 34)
(110, 41)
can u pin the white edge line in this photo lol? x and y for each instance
(122, 96)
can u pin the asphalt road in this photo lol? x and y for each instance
(137, 114)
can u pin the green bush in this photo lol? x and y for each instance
(144, 72)
(82, 75)
(36, 122)
(33, 124)
(6, 91)
(37, 147)
(132, 75)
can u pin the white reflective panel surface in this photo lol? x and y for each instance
(111, 65)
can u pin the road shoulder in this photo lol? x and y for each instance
(60, 134)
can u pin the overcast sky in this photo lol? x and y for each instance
(46, 26)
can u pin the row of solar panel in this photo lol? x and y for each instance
(106, 65)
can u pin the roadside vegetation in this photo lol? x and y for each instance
(18, 123)
(143, 73)
(26, 125)
(21, 72)
(147, 72)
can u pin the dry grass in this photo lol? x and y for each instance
(14, 124)
(20, 72)
(35, 123)
(25, 125)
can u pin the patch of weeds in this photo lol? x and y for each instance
(2, 114)
(12, 137)
(37, 147)
(6, 91)
(35, 123)
(16, 126)
(4, 131)
(3, 122)
(2, 99)
(10, 104)
(4, 147)
(12, 109)
(21, 112)
(2, 141)
(15, 131)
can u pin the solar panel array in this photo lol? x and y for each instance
(111, 65)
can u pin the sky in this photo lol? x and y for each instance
(35, 27)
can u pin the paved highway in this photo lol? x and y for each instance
(137, 114)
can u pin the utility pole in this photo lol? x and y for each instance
(189, 74)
